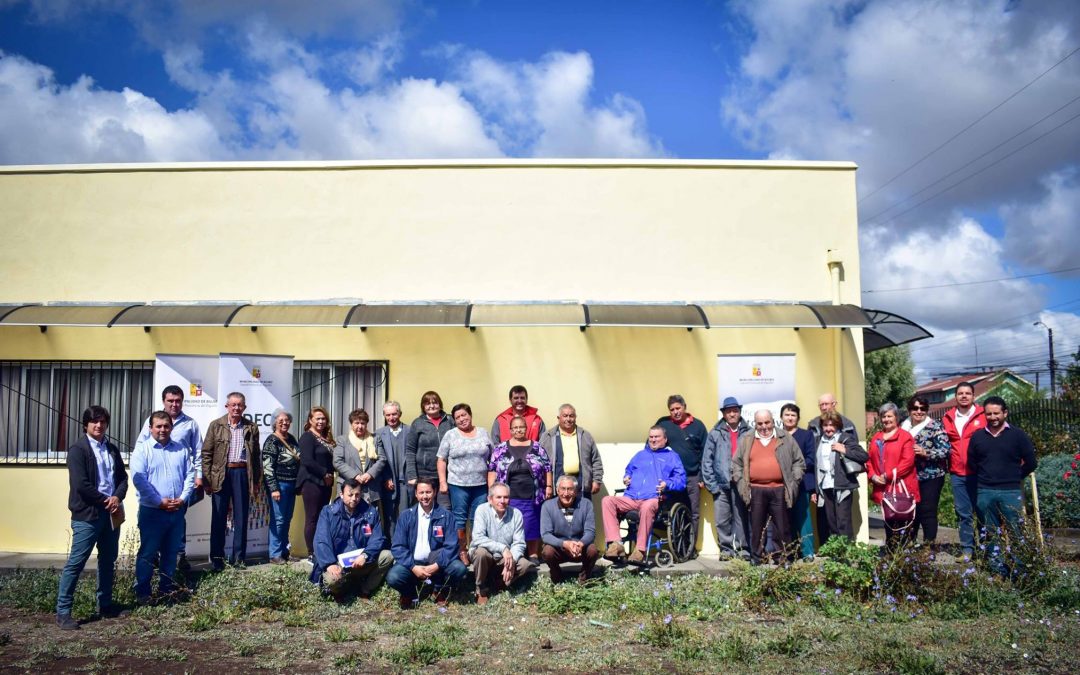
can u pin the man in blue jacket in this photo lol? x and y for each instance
(425, 549)
(346, 526)
(653, 470)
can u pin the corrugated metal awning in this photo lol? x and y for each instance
(892, 329)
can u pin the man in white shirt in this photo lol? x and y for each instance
(425, 549)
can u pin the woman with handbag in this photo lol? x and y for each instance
(840, 460)
(891, 471)
(932, 450)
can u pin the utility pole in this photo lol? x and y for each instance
(1053, 365)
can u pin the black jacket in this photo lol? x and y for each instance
(84, 500)
(422, 446)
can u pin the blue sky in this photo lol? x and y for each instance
(879, 83)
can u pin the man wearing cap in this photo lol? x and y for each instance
(686, 436)
(729, 511)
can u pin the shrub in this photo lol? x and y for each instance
(764, 586)
(1058, 477)
(849, 565)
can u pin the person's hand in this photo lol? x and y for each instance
(879, 480)
(334, 571)
(390, 485)
(701, 485)
(444, 488)
(595, 487)
(920, 452)
(813, 498)
(572, 547)
(626, 481)
(359, 561)
(839, 447)
(661, 486)
(276, 495)
(165, 505)
(112, 504)
(548, 492)
(364, 478)
(508, 567)
(421, 571)
(328, 479)
(411, 482)
(198, 483)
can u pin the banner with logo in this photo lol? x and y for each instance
(266, 383)
(758, 381)
(197, 376)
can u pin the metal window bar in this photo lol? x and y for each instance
(41, 402)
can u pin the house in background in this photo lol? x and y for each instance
(1004, 383)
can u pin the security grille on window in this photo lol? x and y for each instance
(41, 402)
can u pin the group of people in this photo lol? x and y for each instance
(418, 504)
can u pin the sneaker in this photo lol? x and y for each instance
(66, 622)
(636, 557)
(278, 561)
(614, 551)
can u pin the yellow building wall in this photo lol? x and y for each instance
(514, 230)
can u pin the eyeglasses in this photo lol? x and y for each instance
(917, 407)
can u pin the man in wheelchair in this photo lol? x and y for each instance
(651, 472)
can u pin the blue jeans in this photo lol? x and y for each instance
(281, 517)
(964, 490)
(160, 532)
(85, 535)
(234, 490)
(802, 527)
(465, 500)
(999, 508)
(402, 580)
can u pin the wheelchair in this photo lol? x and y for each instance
(672, 539)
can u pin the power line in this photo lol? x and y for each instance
(969, 126)
(1005, 323)
(972, 175)
(973, 283)
(969, 163)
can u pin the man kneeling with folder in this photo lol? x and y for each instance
(349, 555)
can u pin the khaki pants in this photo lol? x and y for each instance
(362, 580)
(488, 570)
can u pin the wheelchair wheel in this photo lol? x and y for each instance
(681, 532)
(664, 558)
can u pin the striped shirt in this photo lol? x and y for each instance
(237, 451)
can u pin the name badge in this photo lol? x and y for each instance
(367, 528)
(437, 529)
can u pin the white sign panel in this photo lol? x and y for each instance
(758, 381)
(197, 376)
(266, 383)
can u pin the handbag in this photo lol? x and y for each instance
(851, 467)
(898, 506)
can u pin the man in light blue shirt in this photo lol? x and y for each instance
(186, 432)
(164, 476)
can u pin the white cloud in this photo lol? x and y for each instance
(962, 252)
(544, 108)
(1046, 233)
(44, 122)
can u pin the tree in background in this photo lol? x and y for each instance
(1070, 382)
(890, 376)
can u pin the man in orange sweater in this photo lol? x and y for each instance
(519, 405)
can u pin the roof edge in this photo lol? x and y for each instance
(495, 163)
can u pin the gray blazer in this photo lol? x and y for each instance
(591, 468)
(349, 464)
(554, 529)
(393, 449)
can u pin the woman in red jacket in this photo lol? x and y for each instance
(892, 455)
